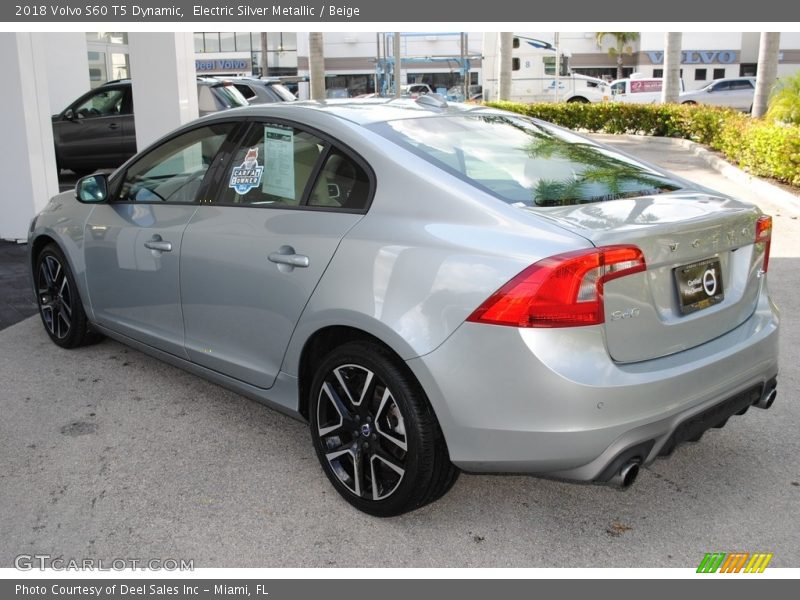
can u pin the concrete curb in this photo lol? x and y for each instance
(724, 168)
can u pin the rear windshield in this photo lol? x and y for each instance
(524, 162)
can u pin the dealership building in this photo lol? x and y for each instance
(353, 60)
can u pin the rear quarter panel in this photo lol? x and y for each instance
(430, 250)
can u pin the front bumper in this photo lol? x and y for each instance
(552, 402)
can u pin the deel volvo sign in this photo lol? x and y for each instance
(209, 66)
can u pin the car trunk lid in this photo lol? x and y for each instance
(700, 244)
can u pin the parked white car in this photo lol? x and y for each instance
(736, 92)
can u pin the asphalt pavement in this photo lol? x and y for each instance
(108, 453)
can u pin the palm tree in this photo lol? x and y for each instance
(316, 65)
(504, 83)
(264, 50)
(671, 90)
(622, 39)
(767, 72)
(784, 103)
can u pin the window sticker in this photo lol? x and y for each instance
(247, 176)
(279, 149)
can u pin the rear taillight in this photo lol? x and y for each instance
(764, 236)
(560, 291)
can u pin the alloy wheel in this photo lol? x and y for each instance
(55, 297)
(362, 432)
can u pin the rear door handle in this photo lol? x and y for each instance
(292, 260)
(113, 126)
(158, 244)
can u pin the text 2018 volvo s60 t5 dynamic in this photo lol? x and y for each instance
(433, 288)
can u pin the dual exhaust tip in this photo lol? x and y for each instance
(767, 398)
(629, 471)
(626, 475)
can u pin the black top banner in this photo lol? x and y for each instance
(382, 11)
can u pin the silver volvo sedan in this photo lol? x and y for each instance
(432, 288)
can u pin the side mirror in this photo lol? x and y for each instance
(92, 188)
(69, 115)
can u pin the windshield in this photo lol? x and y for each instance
(523, 162)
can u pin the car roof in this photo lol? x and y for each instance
(743, 78)
(251, 79)
(127, 81)
(366, 111)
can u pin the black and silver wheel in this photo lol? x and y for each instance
(59, 303)
(375, 433)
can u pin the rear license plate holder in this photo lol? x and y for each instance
(699, 285)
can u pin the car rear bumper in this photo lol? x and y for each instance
(552, 402)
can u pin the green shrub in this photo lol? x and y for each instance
(784, 103)
(762, 147)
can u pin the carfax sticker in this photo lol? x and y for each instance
(247, 176)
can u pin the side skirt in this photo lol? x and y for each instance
(282, 396)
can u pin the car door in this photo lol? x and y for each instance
(719, 94)
(132, 243)
(741, 95)
(88, 134)
(254, 252)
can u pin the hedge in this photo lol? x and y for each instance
(761, 147)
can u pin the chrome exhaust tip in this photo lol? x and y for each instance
(626, 476)
(767, 399)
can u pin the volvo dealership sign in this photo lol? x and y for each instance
(698, 57)
(205, 66)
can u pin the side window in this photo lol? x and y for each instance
(174, 171)
(245, 90)
(105, 103)
(722, 86)
(206, 102)
(341, 184)
(272, 166)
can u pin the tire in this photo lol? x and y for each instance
(578, 100)
(60, 305)
(375, 433)
(690, 103)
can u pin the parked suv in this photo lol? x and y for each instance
(736, 92)
(262, 90)
(97, 130)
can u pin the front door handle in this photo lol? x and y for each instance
(158, 244)
(292, 260)
(113, 126)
